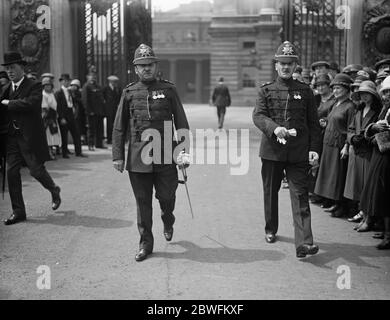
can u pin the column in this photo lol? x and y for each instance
(5, 13)
(60, 39)
(172, 70)
(198, 81)
(354, 34)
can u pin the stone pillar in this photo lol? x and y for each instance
(5, 23)
(172, 70)
(354, 34)
(61, 59)
(198, 81)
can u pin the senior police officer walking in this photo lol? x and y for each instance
(286, 114)
(150, 104)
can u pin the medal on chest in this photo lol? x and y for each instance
(158, 94)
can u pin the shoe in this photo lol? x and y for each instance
(365, 227)
(384, 245)
(379, 235)
(56, 199)
(91, 148)
(339, 213)
(306, 249)
(270, 238)
(69, 152)
(326, 204)
(168, 234)
(101, 147)
(141, 255)
(357, 218)
(82, 155)
(332, 208)
(66, 156)
(14, 218)
(358, 225)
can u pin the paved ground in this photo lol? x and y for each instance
(89, 244)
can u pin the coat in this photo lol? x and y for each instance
(221, 96)
(144, 106)
(112, 98)
(93, 100)
(288, 104)
(24, 111)
(64, 112)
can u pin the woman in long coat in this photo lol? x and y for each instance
(360, 149)
(333, 167)
(376, 193)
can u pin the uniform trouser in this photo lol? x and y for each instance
(99, 131)
(297, 175)
(73, 128)
(165, 181)
(17, 152)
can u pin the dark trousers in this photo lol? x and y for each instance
(297, 175)
(19, 152)
(165, 181)
(73, 128)
(95, 130)
(110, 126)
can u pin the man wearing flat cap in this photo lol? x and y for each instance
(286, 115)
(382, 64)
(26, 136)
(150, 106)
(112, 95)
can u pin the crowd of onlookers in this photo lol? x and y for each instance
(80, 111)
(352, 178)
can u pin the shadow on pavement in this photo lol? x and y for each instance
(352, 253)
(220, 255)
(70, 218)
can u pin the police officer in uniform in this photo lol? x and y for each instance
(286, 114)
(150, 105)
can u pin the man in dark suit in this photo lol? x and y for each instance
(282, 106)
(221, 99)
(112, 96)
(26, 136)
(66, 119)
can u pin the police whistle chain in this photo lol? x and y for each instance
(184, 181)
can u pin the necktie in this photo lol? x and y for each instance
(15, 88)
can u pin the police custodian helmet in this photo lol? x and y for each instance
(144, 55)
(286, 53)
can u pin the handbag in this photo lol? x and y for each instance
(383, 140)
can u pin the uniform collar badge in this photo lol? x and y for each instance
(297, 96)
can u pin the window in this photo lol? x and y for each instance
(249, 44)
(249, 76)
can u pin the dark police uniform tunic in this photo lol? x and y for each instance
(143, 106)
(289, 104)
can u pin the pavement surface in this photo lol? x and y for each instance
(86, 249)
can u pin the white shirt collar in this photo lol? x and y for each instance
(17, 83)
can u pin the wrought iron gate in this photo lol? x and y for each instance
(312, 26)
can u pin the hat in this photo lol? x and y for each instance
(286, 53)
(64, 76)
(112, 78)
(366, 86)
(13, 57)
(385, 85)
(334, 66)
(221, 79)
(47, 74)
(76, 82)
(352, 68)
(342, 79)
(319, 64)
(298, 69)
(46, 81)
(383, 73)
(4, 75)
(322, 79)
(144, 55)
(382, 64)
(359, 79)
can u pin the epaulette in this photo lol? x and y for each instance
(166, 81)
(131, 84)
(266, 84)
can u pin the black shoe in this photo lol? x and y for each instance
(384, 245)
(306, 249)
(333, 208)
(66, 156)
(270, 238)
(326, 204)
(91, 148)
(168, 234)
(69, 152)
(56, 199)
(379, 236)
(14, 218)
(339, 213)
(141, 255)
(101, 147)
(82, 155)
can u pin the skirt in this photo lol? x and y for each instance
(53, 139)
(357, 174)
(331, 175)
(375, 198)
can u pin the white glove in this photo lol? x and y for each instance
(119, 165)
(183, 159)
(313, 158)
(280, 131)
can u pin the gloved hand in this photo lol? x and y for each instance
(313, 158)
(281, 132)
(357, 140)
(183, 160)
(119, 165)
